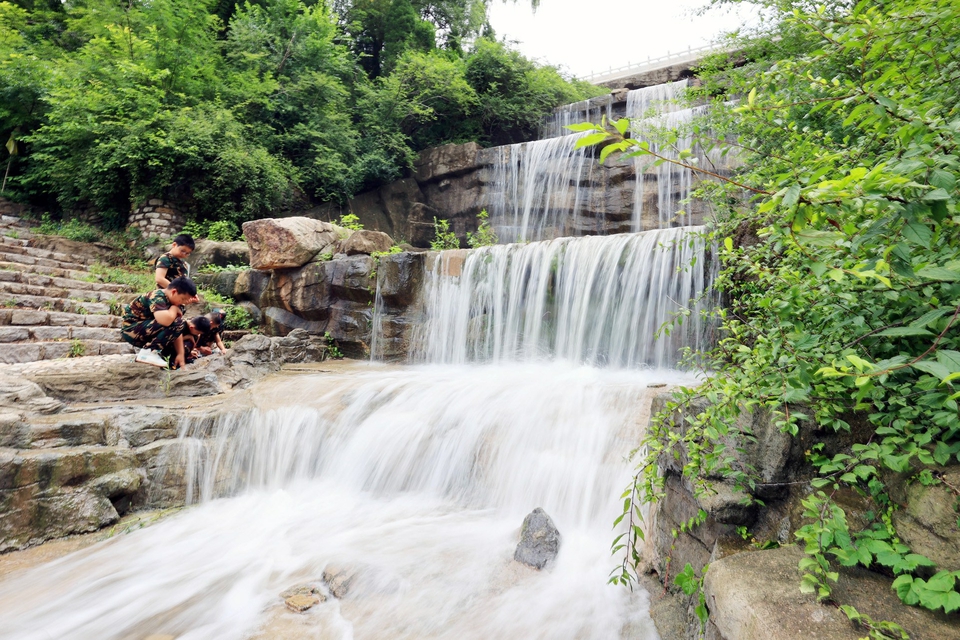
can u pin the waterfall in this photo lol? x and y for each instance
(549, 189)
(600, 300)
(537, 190)
(584, 111)
(415, 478)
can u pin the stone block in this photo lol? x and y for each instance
(14, 334)
(27, 317)
(113, 322)
(19, 353)
(56, 350)
(62, 319)
(50, 333)
(114, 348)
(400, 277)
(96, 333)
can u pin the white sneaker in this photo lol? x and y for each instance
(151, 357)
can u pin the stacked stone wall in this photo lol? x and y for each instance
(157, 218)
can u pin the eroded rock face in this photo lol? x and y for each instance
(284, 243)
(365, 242)
(539, 540)
(58, 492)
(927, 523)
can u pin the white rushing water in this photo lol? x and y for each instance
(574, 113)
(595, 300)
(536, 192)
(418, 478)
(549, 189)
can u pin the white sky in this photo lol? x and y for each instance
(584, 36)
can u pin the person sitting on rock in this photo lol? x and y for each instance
(171, 265)
(154, 321)
(214, 335)
(192, 332)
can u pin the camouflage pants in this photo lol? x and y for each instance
(153, 335)
(189, 344)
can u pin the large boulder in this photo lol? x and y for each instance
(285, 243)
(221, 254)
(366, 242)
(539, 540)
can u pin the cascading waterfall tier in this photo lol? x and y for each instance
(416, 479)
(595, 300)
(584, 111)
(549, 189)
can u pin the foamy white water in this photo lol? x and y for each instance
(420, 476)
(600, 300)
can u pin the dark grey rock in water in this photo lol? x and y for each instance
(539, 540)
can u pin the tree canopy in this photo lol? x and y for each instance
(237, 108)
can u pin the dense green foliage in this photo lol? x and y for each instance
(839, 240)
(236, 109)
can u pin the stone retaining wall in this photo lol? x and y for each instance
(157, 219)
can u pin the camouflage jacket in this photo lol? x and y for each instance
(145, 306)
(175, 267)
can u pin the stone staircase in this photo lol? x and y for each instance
(51, 304)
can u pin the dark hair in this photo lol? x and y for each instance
(218, 316)
(201, 323)
(184, 241)
(185, 285)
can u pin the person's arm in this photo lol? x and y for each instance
(220, 346)
(181, 360)
(160, 275)
(167, 317)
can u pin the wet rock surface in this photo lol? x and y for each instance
(539, 540)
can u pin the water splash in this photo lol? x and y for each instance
(418, 477)
(595, 300)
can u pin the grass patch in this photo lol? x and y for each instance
(138, 277)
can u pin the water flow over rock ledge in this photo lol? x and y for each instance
(421, 475)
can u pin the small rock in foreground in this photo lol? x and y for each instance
(539, 540)
(301, 603)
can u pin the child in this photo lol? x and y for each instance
(154, 321)
(214, 335)
(193, 329)
(171, 265)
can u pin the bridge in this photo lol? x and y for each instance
(654, 64)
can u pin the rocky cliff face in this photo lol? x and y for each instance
(752, 590)
(456, 182)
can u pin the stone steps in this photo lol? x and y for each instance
(23, 352)
(21, 249)
(51, 305)
(37, 279)
(55, 272)
(52, 291)
(6, 255)
(28, 317)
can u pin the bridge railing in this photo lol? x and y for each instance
(651, 63)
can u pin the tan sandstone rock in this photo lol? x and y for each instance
(366, 242)
(284, 243)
